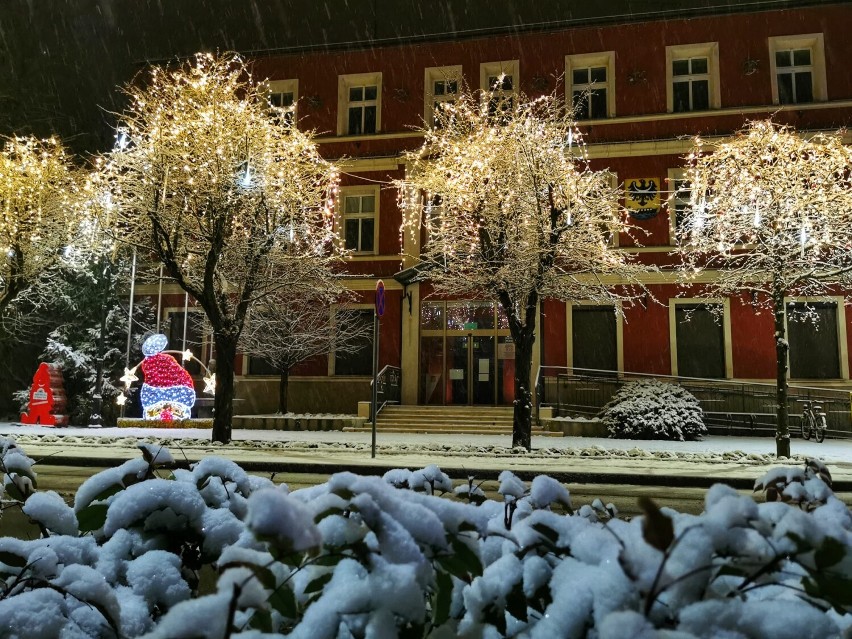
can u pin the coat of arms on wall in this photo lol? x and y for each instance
(643, 198)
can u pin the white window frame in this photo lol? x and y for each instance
(358, 191)
(842, 344)
(813, 41)
(726, 329)
(333, 354)
(437, 74)
(285, 86)
(589, 60)
(619, 330)
(492, 69)
(674, 175)
(709, 50)
(615, 239)
(344, 83)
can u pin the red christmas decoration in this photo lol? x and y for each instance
(163, 370)
(47, 398)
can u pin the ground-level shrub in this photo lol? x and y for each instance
(653, 410)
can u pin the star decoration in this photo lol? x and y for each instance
(121, 400)
(129, 376)
(210, 384)
(187, 355)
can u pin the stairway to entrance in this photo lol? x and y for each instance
(458, 420)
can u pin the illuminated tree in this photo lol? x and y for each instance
(285, 330)
(234, 201)
(772, 211)
(513, 214)
(37, 186)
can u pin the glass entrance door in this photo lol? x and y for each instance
(470, 369)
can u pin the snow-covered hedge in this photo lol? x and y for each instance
(410, 555)
(653, 410)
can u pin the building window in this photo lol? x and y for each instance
(359, 104)
(258, 366)
(283, 96)
(693, 77)
(700, 335)
(594, 338)
(360, 207)
(191, 325)
(812, 331)
(589, 87)
(442, 85)
(499, 80)
(798, 69)
(358, 360)
(677, 203)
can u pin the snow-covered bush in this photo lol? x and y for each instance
(363, 557)
(650, 409)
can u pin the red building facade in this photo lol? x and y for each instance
(650, 84)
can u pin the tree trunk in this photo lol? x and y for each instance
(283, 384)
(522, 414)
(223, 400)
(782, 429)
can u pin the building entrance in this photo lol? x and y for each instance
(466, 355)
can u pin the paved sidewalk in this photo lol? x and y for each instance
(734, 460)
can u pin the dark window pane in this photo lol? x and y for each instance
(580, 76)
(782, 58)
(370, 93)
(354, 120)
(367, 227)
(452, 86)
(680, 97)
(286, 99)
(700, 95)
(257, 366)
(785, 88)
(368, 204)
(581, 105)
(599, 103)
(352, 204)
(699, 65)
(700, 342)
(351, 234)
(680, 214)
(680, 67)
(508, 83)
(370, 119)
(356, 94)
(359, 362)
(493, 84)
(598, 74)
(439, 88)
(801, 57)
(804, 88)
(594, 338)
(813, 347)
(193, 338)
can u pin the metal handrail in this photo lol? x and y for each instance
(388, 387)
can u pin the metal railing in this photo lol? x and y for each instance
(388, 387)
(729, 406)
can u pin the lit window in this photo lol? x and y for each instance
(798, 69)
(360, 211)
(693, 74)
(442, 85)
(590, 89)
(359, 104)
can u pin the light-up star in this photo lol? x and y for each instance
(129, 376)
(121, 400)
(187, 355)
(210, 384)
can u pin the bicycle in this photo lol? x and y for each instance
(813, 420)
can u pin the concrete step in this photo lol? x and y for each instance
(427, 423)
(458, 430)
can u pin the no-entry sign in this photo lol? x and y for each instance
(380, 298)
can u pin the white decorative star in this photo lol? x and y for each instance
(187, 355)
(121, 400)
(210, 384)
(129, 376)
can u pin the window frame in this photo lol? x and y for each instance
(813, 41)
(359, 191)
(842, 344)
(346, 82)
(285, 86)
(619, 330)
(709, 50)
(166, 314)
(332, 356)
(674, 175)
(452, 73)
(589, 60)
(726, 329)
(491, 69)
